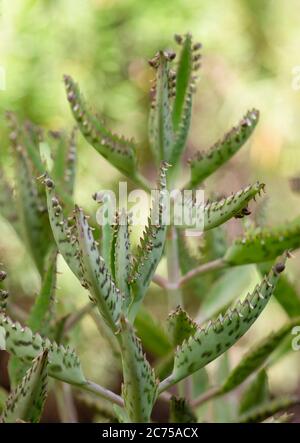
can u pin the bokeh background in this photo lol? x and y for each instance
(250, 59)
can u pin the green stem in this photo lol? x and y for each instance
(174, 292)
(102, 392)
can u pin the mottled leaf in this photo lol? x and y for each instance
(26, 402)
(117, 150)
(139, 384)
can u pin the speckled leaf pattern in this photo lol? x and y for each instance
(139, 384)
(97, 277)
(204, 164)
(181, 412)
(160, 121)
(256, 356)
(188, 65)
(265, 244)
(27, 400)
(256, 393)
(122, 257)
(117, 150)
(218, 212)
(23, 343)
(150, 249)
(180, 326)
(219, 335)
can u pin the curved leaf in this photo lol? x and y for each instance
(26, 402)
(117, 150)
(219, 335)
(139, 386)
(204, 164)
(23, 343)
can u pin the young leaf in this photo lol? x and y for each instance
(180, 326)
(139, 385)
(181, 412)
(97, 277)
(219, 335)
(117, 150)
(264, 244)
(122, 257)
(23, 343)
(255, 357)
(204, 164)
(150, 249)
(285, 293)
(160, 121)
(26, 402)
(256, 393)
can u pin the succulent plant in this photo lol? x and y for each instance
(117, 277)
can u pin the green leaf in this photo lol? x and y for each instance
(185, 86)
(64, 168)
(219, 335)
(139, 385)
(285, 293)
(3, 398)
(218, 212)
(260, 413)
(8, 205)
(42, 311)
(204, 164)
(26, 402)
(180, 326)
(264, 244)
(181, 412)
(153, 336)
(97, 277)
(31, 206)
(161, 133)
(256, 393)
(150, 249)
(117, 150)
(256, 356)
(122, 257)
(106, 214)
(23, 343)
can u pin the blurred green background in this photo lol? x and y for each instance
(250, 59)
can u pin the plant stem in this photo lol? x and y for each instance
(174, 293)
(208, 395)
(102, 392)
(202, 269)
